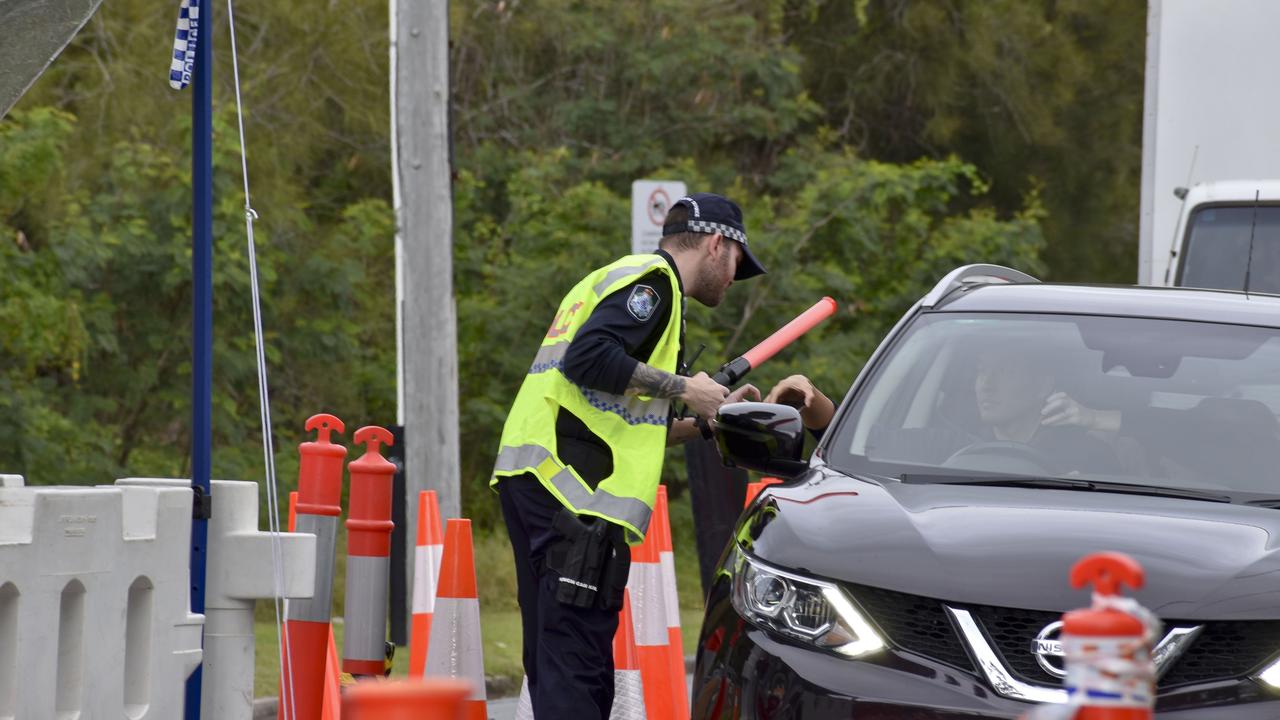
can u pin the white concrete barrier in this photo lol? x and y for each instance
(94, 611)
(241, 570)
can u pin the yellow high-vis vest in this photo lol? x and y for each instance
(634, 427)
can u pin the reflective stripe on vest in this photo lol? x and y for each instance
(566, 483)
(617, 274)
(631, 409)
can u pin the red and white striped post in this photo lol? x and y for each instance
(369, 529)
(306, 631)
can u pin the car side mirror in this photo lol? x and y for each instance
(761, 436)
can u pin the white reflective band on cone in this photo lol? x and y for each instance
(669, 588)
(318, 607)
(524, 707)
(455, 649)
(426, 577)
(365, 614)
(628, 696)
(648, 604)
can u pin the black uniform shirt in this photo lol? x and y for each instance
(603, 355)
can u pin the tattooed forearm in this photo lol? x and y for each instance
(649, 380)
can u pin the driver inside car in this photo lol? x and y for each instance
(1016, 403)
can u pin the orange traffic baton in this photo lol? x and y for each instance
(426, 574)
(369, 529)
(661, 523)
(406, 700)
(455, 649)
(306, 631)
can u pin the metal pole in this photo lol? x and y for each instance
(202, 316)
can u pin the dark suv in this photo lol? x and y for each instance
(916, 566)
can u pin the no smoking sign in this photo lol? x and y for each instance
(650, 201)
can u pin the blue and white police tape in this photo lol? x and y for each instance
(184, 44)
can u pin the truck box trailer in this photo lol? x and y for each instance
(1210, 209)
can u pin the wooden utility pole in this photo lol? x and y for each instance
(428, 366)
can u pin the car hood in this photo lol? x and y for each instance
(1014, 547)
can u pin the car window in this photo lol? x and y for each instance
(1180, 404)
(1220, 241)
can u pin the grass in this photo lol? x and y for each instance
(499, 613)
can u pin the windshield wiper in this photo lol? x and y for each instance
(1056, 483)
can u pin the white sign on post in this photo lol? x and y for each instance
(650, 201)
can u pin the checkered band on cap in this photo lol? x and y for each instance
(703, 226)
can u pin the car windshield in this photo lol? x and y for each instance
(1153, 402)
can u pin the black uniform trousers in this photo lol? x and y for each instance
(568, 651)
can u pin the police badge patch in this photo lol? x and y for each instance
(643, 301)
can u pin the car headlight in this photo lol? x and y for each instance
(814, 612)
(1271, 675)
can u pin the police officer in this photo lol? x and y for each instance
(581, 452)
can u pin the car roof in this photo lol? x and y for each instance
(1218, 306)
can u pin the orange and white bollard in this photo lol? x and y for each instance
(1110, 673)
(455, 650)
(661, 523)
(369, 526)
(330, 706)
(426, 575)
(306, 631)
(1108, 646)
(406, 700)
(649, 611)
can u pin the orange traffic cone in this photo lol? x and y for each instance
(426, 574)
(331, 704)
(454, 649)
(649, 608)
(753, 489)
(524, 706)
(675, 643)
(628, 686)
(406, 700)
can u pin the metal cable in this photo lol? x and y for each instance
(264, 400)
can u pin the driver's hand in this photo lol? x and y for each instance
(1060, 409)
(746, 392)
(816, 409)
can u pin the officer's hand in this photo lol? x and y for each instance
(703, 395)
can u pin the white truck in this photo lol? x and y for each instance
(1210, 212)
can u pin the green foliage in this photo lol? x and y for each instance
(874, 144)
